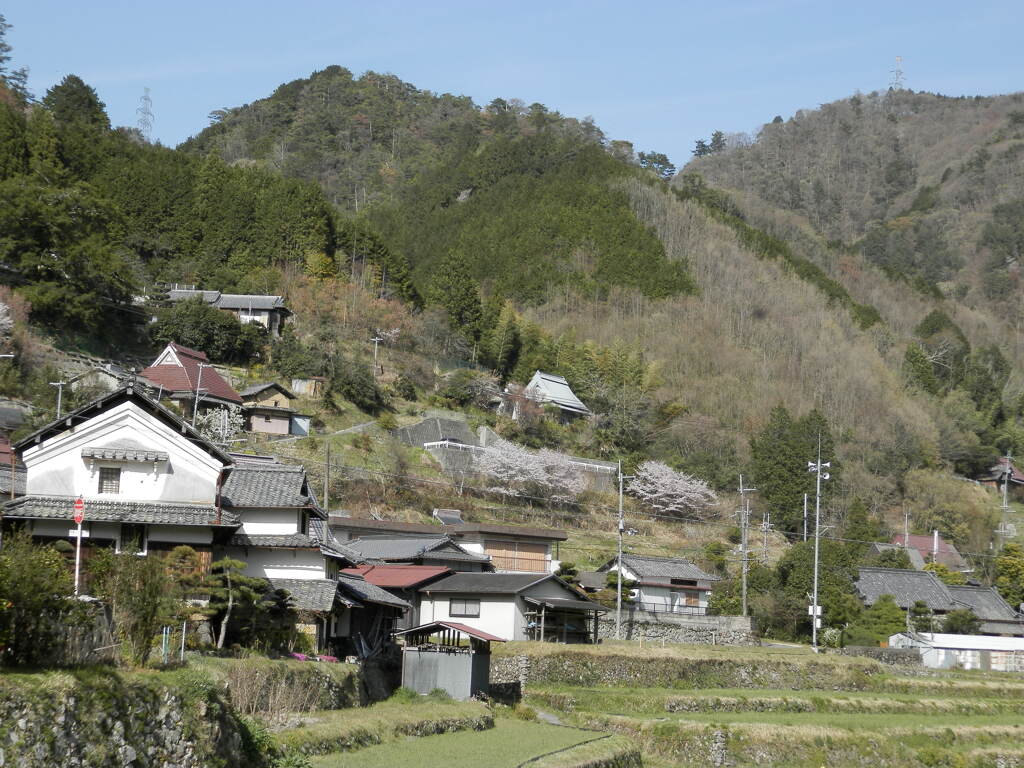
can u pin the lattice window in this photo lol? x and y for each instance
(110, 480)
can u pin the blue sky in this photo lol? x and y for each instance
(659, 74)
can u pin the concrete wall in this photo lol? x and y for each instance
(677, 628)
(56, 467)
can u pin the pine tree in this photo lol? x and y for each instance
(717, 143)
(454, 288)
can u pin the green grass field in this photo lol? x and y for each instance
(507, 745)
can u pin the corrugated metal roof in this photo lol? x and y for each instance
(103, 510)
(463, 628)
(906, 587)
(398, 576)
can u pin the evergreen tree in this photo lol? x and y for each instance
(701, 149)
(717, 143)
(918, 369)
(878, 623)
(921, 618)
(1010, 574)
(961, 622)
(780, 468)
(454, 288)
(14, 80)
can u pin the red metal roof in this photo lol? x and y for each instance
(398, 576)
(1016, 476)
(923, 543)
(464, 628)
(185, 377)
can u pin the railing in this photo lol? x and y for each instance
(679, 610)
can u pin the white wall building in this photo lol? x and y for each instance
(664, 584)
(944, 651)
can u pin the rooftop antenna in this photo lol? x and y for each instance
(896, 84)
(145, 113)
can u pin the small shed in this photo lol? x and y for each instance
(444, 654)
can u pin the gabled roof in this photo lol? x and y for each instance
(464, 629)
(183, 294)
(266, 485)
(39, 506)
(985, 602)
(187, 376)
(398, 576)
(256, 389)
(412, 548)
(112, 399)
(489, 583)
(366, 592)
(277, 541)
(923, 543)
(878, 547)
(551, 388)
(905, 586)
(655, 570)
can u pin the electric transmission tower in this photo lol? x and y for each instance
(896, 84)
(145, 113)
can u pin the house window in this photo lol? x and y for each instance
(110, 480)
(464, 606)
(133, 539)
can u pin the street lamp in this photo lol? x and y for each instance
(817, 468)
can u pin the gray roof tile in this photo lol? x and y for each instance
(486, 583)
(655, 569)
(103, 510)
(985, 602)
(906, 587)
(411, 548)
(266, 485)
(366, 592)
(309, 594)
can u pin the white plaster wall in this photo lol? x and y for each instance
(181, 534)
(474, 546)
(56, 466)
(277, 563)
(269, 521)
(498, 613)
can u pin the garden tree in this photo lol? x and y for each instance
(945, 574)
(668, 492)
(36, 602)
(794, 576)
(890, 558)
(962, 621)
(921, 617)
(454, 288)
(1009, 576)
(198, 325)
(229, 589)
(141, 598)
(877, 623)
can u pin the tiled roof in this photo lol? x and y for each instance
(486, 583)
(551, 388)
(309, 594)
(985, 602)
(366, 592)
(124, 450)
(185, 377)
(104, 510)
(330, 546)
(947, 554)
(183, 294)
(906, 587)
(514, 531)
(248, 301)
(291, 540)
(913, 555)
(255, 389)
(593, 579)
(265, 485)
(398, 576)
(412, 548)
(662, 569)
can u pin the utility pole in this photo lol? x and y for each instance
(60, 394)
(376, 340)
(195, 404)
(327, 478)
(744, 524)
(906, 527)
(816, 467)
(766, 525)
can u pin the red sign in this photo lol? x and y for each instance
(79, 510)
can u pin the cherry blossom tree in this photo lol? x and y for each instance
(668, 492)
(517, 471)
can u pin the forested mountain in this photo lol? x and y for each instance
(851, 272)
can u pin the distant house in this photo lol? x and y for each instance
(511, 548)
(183, 374)
(1005, 472)
(268, 409)
(268, 311)
(933, 548)
(513, 606)
(665, 584)
(549, 388)
(419, 550)
(908, 587)
(942, 651)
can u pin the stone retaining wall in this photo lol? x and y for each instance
(677, 628)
